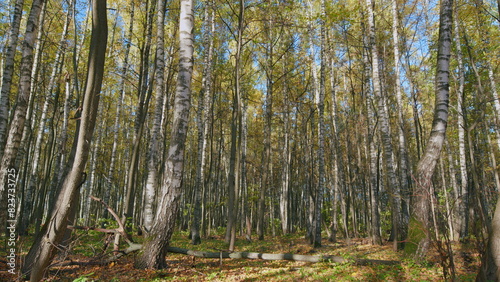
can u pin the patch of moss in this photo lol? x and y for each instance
(416, 233)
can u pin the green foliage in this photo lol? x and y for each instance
(84, 278)
(416, 233)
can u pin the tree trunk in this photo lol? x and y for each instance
(268, 117)
(494, 93)
(121, 90)
(154, 150)
(286, 158)
(385, 130)
(155, 246)
(33, 179)
(203, 116)
(234, 162)
(8, 70)
(26, 139)
(460, 211)
(373, 152)
(490, 270)
(403, 153)
(245, 205)
(145, 92)
(493, 163)
(420, 226)
(18, 121)
(321, 134)
(44, 246)
(61, 147)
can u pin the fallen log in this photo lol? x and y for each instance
(133, 247)
(265, 256)
(250, 255)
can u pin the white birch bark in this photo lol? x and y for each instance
(286, 158)
(202, 120)
(154, 250)
(33, 179)
(236, 131)
(34, 72)
(321, 134)
(314, 99)
(18, 121)
(427, 164)
(268, 116)
(494, 93)
(116, 126)
(336, 155)
(459, 215)
(8, 70)
(403, 154)
(144, 92)
(61, 147)
(385, 129)
(153, 160)
(373, 152)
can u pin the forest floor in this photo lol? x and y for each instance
(88, 245)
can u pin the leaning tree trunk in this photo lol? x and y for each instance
(8, 70)
(155, 246)
(17, 124)
(420, 224)
(44, 246)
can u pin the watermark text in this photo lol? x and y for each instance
(11, 232)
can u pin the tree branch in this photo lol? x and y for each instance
(121, 227)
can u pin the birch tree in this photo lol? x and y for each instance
(236, 130)
(154, 249)
(460, 211)
(144, 93)
(153, 153)
(33, 178)
(8, 70)
(203, 116)
(19, 118)
(119, 105)
(427, 163)
(321, 134)
(404, 178)
(372, 150)
(385, 129)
